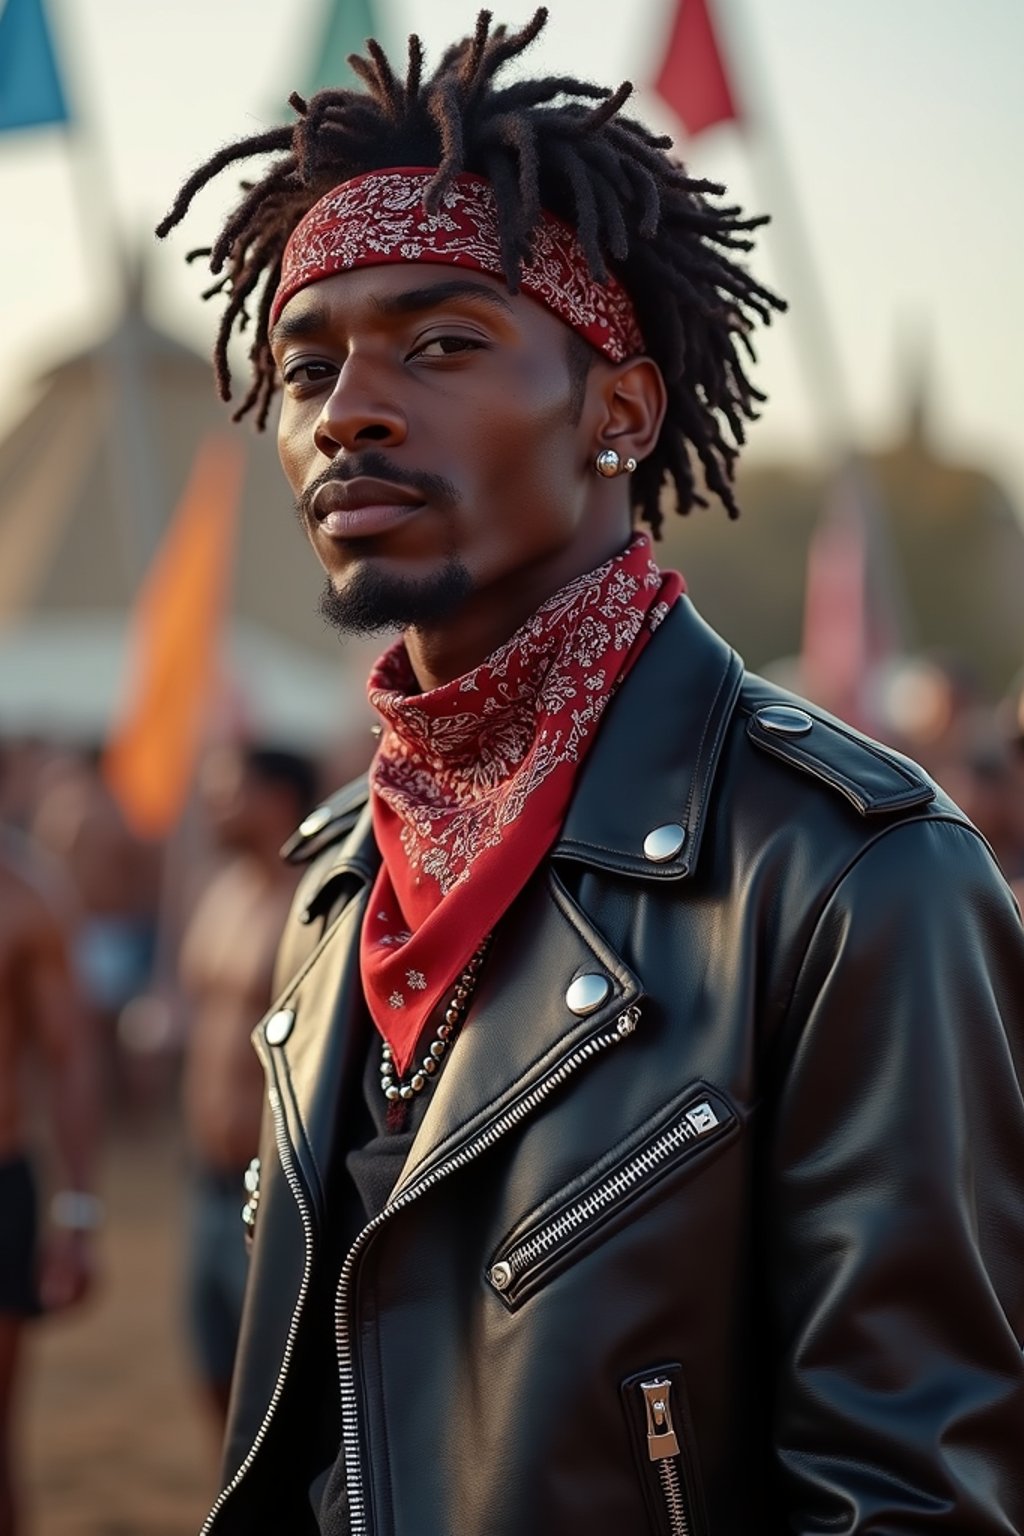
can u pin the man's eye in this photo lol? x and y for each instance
(445, 346)
(308, 373)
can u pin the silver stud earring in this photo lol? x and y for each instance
(609, 464)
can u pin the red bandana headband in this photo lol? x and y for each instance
(379, 218)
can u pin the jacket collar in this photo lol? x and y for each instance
(523, 1029)
(653, 763)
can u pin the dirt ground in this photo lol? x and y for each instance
(114, 1441)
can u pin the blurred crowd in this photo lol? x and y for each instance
(131, 975)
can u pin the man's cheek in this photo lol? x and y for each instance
(295, 450)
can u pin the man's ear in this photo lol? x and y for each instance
(630, 407)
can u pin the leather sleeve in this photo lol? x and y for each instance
(895, 1201)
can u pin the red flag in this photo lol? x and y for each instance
(692, 78)
(175, 633)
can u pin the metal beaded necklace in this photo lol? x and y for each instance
(393, 1088)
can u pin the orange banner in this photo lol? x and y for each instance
(175, 638)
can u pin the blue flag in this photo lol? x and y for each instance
(31, 94)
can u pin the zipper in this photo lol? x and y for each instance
(284, 1152)
(621, 1029)
(663, 1450)
(695, 1122)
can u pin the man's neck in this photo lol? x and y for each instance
(488, 618)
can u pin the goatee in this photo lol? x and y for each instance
(372, 602)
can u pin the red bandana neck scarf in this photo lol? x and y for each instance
(471, 781)
(379, 218)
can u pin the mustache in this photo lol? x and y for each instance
(376, 466)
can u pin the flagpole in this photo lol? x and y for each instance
(134, 465)
(344, 26)
(776, 189)
(140, 507)
(34, 96)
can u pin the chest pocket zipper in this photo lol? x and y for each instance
(704, 1118)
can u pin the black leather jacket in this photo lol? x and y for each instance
(742, 1248)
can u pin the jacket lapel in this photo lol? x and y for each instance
(521, 1025)
(325, 1043)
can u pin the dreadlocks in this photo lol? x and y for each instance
(557, 144)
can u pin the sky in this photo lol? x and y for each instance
(886, 135)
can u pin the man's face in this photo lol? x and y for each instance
(225, 787)
(431, 433)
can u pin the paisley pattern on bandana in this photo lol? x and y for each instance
(379, 218)
(472, 780)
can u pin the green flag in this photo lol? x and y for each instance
(345, 26)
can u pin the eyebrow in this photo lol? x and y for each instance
(430, 297)
(315, 320)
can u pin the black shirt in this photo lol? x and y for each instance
(374, 1149)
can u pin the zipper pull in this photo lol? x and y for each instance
(661, 1437)
(627, 1021)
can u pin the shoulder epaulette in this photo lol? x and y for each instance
(873, 778)
(327, 823)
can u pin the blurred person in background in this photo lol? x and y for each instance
(116, 877)
(44, 1035)
(986, 781)
(26, 762)
(253, 797)
(644, 1126)
(932, 705)
(937, 714)
(1011, 719)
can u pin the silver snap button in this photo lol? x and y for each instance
(587, 993)
(501, 1275)
(663, 843)
(279, 1026)
(784, 720)
(316, 821)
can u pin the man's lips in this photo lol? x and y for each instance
(358, 508)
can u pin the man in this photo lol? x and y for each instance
(643, 1135)
(254, 798)
(41, 1024)
(115, 878)
(1011, 723)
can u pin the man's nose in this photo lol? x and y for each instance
(357, 413)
